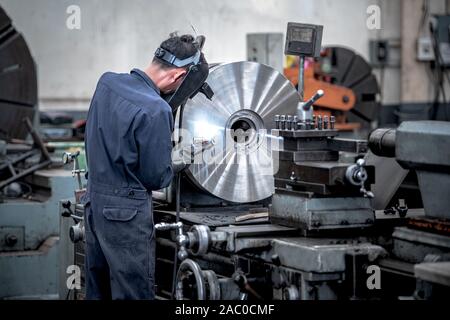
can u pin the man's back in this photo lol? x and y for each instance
(128, 148)
(128, 133)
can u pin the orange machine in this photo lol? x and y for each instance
(349, 85)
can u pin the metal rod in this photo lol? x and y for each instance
(319, 94)
(301, 78)
(209, 257)
(11, 169)
(177, 208)
(37, 140)
(19, 159)
(25, 173)
(76, 170)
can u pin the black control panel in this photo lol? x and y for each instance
(303, 39)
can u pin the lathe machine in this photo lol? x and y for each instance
(279, 207)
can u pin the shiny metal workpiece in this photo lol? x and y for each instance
(238, 120)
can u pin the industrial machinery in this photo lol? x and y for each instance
(18, 83)
(30, 183)
(240, 237)
(424, 241)
(275, 205)
(352, 89)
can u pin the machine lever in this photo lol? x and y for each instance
(181, 239)
(357, 175)
(73, 157)
(304, 110)
(319, 94)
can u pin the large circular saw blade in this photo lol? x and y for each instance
(238, 120)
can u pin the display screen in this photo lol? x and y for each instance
(302, 34)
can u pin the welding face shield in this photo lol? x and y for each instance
(194, 80)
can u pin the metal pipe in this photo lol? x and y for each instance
(301, 78)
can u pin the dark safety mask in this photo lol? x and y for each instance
(195, 79)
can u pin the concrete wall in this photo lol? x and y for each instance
(119, 35)
(389, 78)
(416, 86)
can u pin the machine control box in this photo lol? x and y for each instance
(303, 39)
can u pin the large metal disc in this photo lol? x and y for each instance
(18, 81)
(238, 121)
(350, 70)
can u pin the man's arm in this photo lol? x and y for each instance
(153, 138)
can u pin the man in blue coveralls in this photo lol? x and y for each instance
(128, 148)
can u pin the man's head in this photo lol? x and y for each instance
(166, 76)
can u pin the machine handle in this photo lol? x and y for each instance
(181, 240)
(307, 105)
(357, 175)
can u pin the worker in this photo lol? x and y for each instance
(128, 149)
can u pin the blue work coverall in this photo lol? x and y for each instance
(128, 149)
